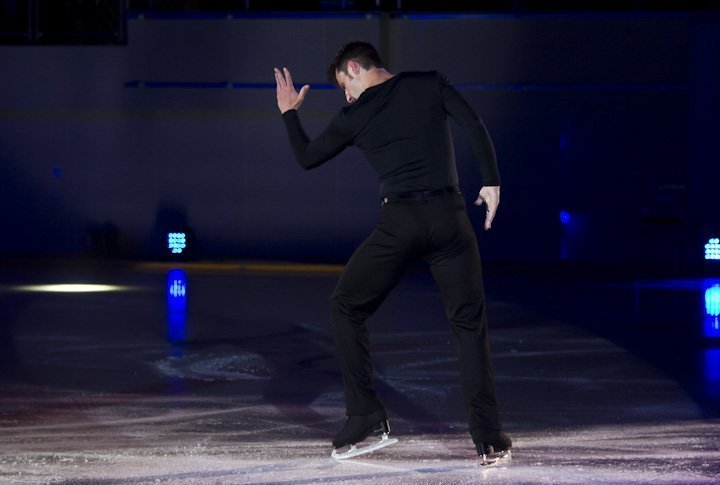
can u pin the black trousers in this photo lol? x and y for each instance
(438, 231)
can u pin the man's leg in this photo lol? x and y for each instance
(457, 271)
(373, 270)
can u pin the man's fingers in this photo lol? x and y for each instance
(282, 78)
(288, 78)
(490, 196)
(303, 91)
(491, 208)
(489, 216)
(279, 79)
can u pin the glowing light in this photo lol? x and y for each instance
(712, 301)
(177, 289)
(177, 305)
(177, 242)
(564, 141)
(712, 249)
(71, 288)
(564, 217)
(712, 311)
(712, 371)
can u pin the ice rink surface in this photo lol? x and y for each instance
(228, 376)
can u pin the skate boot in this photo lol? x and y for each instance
(494, 449)
(357, 428)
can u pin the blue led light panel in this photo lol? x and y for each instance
(712, 249)
(712, 311)
(712, 301)
(177, 242)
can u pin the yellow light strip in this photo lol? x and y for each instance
(70, 288)
(252, 267)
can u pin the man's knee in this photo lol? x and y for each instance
(344, 310)
(470, 316)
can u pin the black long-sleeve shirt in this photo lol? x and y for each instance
(401, 127)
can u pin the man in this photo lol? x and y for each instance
(400, 124)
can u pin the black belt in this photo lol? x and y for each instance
(421, 194)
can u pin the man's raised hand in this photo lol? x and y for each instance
(287, 97)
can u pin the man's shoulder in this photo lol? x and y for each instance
(435, 79)
(424, 75)
(423, 80)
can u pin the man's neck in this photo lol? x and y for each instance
(375, 76)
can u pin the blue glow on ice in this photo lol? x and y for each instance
(177, 305)
(712, 300)
(564, 141)
(712, 371)
(712, 311)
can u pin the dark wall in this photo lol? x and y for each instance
(589, 114)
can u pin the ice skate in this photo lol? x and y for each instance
(494, 451)
(357, 428)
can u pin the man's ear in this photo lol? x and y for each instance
(353, 67)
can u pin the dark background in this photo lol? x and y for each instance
(122, 120)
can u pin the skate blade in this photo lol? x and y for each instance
(355, 451)
(494, 459)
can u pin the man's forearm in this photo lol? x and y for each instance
(297, 137)
(484, 151)
(480, 142)
(312, 153)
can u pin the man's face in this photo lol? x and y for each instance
(349, 84)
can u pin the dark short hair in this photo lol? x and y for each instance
(361, 52)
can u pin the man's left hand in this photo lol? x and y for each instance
(287, 97)
(490, 196)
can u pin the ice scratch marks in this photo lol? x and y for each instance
(170, 416)
(238, 366)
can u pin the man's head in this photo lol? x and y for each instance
(346, 67)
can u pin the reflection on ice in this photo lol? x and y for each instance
(712, 371)
(712, 309)
(126, 388)
(71, 288)
(177, 305)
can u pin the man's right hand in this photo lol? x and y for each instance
(490, 196)
(287, 97)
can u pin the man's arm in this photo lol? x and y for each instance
(480, 143)
(309, 153)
